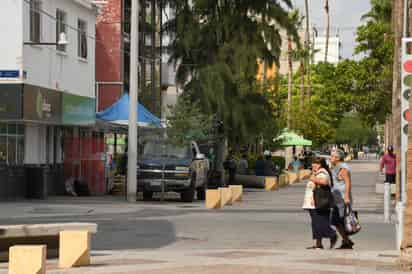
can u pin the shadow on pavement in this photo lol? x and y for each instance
(134, 234)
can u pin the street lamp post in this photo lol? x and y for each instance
(133, 95)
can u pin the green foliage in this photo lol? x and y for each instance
(354, 131)
(217, 45)
(187, 122)
(373, 78)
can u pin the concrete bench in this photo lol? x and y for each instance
(38, 234)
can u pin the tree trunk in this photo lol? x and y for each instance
(290, 80)
(327, 29)
(308, 48)
(302, 84)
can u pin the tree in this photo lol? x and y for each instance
(187, 122)
(354, 131)
(216, 46)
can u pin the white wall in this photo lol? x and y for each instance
(11, 41)
(49, 68)
(334, 49)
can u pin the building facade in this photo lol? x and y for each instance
(47, 91)
(113, 53)
(334, 49)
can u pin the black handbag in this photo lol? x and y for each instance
(323, 197)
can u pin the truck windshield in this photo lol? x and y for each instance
(162, 149)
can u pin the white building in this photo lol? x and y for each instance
(334, 49)
(46, 90)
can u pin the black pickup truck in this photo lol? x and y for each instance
(181, 169)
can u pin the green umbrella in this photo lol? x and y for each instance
(289, 138)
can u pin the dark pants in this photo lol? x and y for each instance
(390, 178)
(321, 224)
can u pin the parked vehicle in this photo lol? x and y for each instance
(166, 166)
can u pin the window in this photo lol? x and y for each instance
(82, 39)
(11, 144)
(35, 20)
(60, 27)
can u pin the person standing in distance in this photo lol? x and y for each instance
(388, 162)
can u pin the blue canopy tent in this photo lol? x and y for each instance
(118, 114)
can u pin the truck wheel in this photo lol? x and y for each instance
(188, 196)
(147, 195)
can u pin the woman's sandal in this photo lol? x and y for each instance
(315, 247)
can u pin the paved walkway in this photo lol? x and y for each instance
(266, 233)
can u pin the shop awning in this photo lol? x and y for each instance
(118, 114)
(289, 138)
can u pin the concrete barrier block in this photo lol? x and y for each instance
(271, 183)
(27, 259)
(74, 249)
(226, 196)
(213, 198)
(283, 180)
(292, 177)
(237, 193)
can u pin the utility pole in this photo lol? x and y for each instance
(327, 29)
(133, 96)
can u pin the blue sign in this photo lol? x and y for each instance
(9, 74)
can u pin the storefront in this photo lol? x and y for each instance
(43, 132)
(83, 146)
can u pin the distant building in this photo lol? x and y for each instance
(113, 58)
(47, 96)
(334, 49)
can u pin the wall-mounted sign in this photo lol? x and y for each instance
(78, 110)
(9, 74)
(10, 101)
(42, 104)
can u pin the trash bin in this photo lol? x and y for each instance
(4, 178)
(16, 182)
(37, 181)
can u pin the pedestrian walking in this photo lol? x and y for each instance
(388, 162)
(319, 214)
(342, 194)
(230, 166)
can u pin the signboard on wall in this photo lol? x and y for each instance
(10, 101)
(41, 104)
(78, 110)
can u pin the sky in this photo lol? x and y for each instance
(345, 16)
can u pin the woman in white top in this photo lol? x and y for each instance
(320, 217)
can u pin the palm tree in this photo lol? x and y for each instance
(307, 46)
(295, 18)
(216, 45)
(327, 29)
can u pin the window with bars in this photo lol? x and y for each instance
(82, 39)
(60, 28)
(11, 144)
(35, 20)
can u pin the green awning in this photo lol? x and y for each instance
(289, 138)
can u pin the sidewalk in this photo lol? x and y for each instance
(234, 262)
